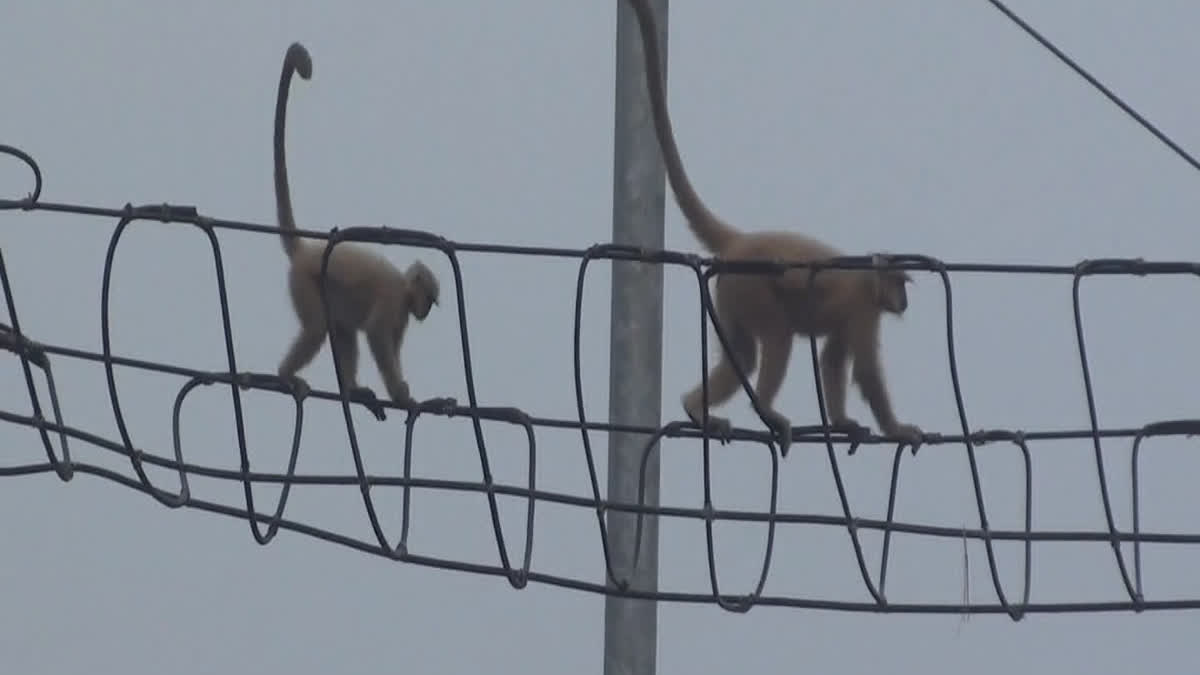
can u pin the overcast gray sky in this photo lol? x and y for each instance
(934, 127)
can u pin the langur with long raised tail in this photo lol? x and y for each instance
(365, 292)
(761, 314)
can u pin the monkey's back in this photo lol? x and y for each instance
(357, 277)
(755, 300)
(778, 246)
(352, 264)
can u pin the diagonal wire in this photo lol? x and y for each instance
(1120, 103)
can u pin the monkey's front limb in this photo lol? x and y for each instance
(387, 360)
(869, 375)
(781, 426)
(906, 433)
(398, 392)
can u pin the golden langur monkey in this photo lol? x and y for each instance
(761, 313)
(365, 291)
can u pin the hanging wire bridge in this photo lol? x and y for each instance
(58, 436)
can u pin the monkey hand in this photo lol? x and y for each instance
(906, 433)
(365, 396)
(782, 428)
(849, 426)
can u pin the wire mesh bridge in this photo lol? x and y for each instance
(58, 435)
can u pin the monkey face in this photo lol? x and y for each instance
(421, 304)
(424, 296)
(422, 290)
(893, 294)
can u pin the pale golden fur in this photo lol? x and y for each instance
(365, 291)
(761, 314)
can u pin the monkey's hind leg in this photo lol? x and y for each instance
(304, 347)
(722, 383)
(344, 346)
(307, 305)
(776, 353)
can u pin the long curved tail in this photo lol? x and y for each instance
(296, 60)
(714, 233)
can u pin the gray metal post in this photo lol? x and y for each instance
(635, 366)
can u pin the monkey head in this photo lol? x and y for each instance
(422, 289)
(891, 293)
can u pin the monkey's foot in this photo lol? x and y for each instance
(719, 427)
(299, 386)
(367, 398)
(293, 384)
(441, 405)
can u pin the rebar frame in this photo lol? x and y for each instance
(38, 355)
(264, 526)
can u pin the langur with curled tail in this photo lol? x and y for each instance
(760, 314)
(365, 292)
